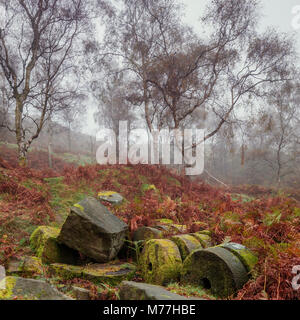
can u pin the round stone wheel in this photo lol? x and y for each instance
(216, 269)
(244, 254)
(204, 239)
(147, 233)
(160, 262)
(186, 244)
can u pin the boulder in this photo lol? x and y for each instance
(93, 230)
(130, 290)
(30, 289)
(216, 269)
(160, 261)
(44, 243)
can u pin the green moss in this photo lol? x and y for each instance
(44, 243)
(244, 254)
(111, 274)
(204, 239)
(8, 283)
(160, 261)
(164, 221)
(186, 244)
(66, 271)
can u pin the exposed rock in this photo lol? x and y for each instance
(112, 274)
(93, 230)
(81, 293)
(44, 243)
(30, 289)
(160, 261)
(130, 290)
(244, 254)
(111, 197)
(186, 244)
(147, 233)
(216, 269)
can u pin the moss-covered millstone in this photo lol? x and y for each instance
(110, 273)
(186, 244)
(164, 221)
(216, 269)
(248, 258)
(147, 233)
(160, 261)
(44, 243)
(111, 197)
(29, 289)
(204, 239)
(207, 232)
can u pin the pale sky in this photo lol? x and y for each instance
(275, 13)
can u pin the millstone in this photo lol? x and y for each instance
(111, 197)
(160, 261)
(216, 269)
(147, 233)
(44, 243)
(186, 244)
(204, 239)
(244, 254)
(93, 230)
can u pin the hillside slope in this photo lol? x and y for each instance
(270, 226)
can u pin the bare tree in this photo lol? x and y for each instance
(37, 54)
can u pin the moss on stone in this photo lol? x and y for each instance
(216, 269)
(66, 271)
(247, 257)
(8, 283)
(147, 233)
(204, 239)
(160, 261)
(186, 244)
(164, 221)
(44, 243)
(108, 273)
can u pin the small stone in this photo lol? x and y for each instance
(30, 289)
(130, 290)
(186, 244)
(147, 233)
(81, 293)
(160, 261)
(46, 246)
(93, 230)
(111, 197)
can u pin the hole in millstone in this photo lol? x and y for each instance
(150, 266)
(206, 283)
